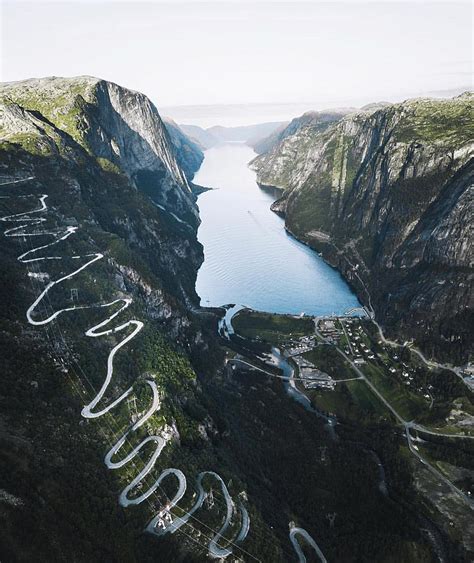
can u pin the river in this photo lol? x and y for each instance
(249, 259)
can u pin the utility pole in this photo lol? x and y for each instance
(210, 499)
(132, 407)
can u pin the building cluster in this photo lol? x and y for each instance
(348, 333)
(356, 345)
(329, 330)
(408, 375)
(358, 349)
(304, 344)
(468, 375)
(302, 362)
(312, 377)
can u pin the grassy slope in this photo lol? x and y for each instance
(63, 106)
(274, 328)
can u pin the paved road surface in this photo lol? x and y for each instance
(30, 226)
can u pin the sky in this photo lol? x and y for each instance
(266, 59)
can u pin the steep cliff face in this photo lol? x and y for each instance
(188, 153)
(277, 163)
(387, 196)
(83, 235)
(314, 119)
(120, 127)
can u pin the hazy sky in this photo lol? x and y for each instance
(182, 53)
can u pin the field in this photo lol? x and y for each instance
(272, 328)
(351, 401)
(407, 404)
(327, 359)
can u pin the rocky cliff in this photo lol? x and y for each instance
(119, 127)
(317, 121)
(386, 195)
(95, 213)
(188, 153)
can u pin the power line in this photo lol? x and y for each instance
(47, 327)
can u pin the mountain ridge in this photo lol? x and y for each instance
(218, 134)
(123, 408)
(347, 183)
(107, 120)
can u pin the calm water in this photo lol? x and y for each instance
(249, 259)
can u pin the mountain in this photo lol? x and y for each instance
(243, 133)
(314, 119)
(261, 145)
(98, 251)
(202, 136)
(130, 429)
(385, 196)
(121, 128)
(217, 134)
(188, 152)
(313, 122)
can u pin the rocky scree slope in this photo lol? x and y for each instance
(386, 195)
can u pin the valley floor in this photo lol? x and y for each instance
(352, 375)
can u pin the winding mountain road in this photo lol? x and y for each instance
(226, 330)
(30, 223)
(294, 532)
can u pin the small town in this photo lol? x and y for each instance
(348, 334)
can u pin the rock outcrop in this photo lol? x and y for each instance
(318, 120)
(386, 195)
(119, 127)
(188, 153)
